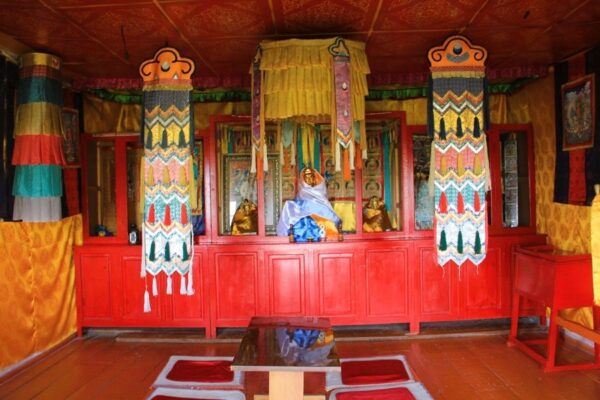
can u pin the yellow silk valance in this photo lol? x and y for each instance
(298, 78)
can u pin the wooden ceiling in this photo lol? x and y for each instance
(110, 38)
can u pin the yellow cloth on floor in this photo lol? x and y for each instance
(37, 282)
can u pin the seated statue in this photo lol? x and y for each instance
(245, 219)
(375, 216)
(311, 201)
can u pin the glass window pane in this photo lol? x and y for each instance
(423, 201)
(515, 179)
(198, 216)
(238, 210)
(135, 153)
(101, 193)
(381, 178)
(341, 193)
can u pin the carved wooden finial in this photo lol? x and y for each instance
(457, 52)
(167, 64)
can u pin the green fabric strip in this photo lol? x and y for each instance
(38, 89)
(244, 94)
(317, 148)
(387, 175)
(300, 162)
(38, 181)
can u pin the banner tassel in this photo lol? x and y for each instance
(147, 308)
(183, 286)
(169, 285)
(190, 285)
(154, 287)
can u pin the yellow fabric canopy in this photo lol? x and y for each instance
(298, 78)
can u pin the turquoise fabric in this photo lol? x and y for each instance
(317, 150)
(38, 89)
(387, 177)
(300, 162)
(38, 181)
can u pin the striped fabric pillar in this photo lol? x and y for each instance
(38, 155)
(459, 166)
(168, 184)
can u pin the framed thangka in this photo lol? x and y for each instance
(578, 106)
(239, 184)
(70, 118)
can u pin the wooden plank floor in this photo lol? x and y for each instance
(101, 367)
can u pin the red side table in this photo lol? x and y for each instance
(559, 280)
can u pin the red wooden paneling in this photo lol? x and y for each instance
(336, 284)
(386, 277)
(96, 291)
(236, 285)
(287, 295)
(483, 285)
(436, 289)
(188, 310)
(131, 293)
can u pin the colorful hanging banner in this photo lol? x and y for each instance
(341, 118)
(258, 120)
(168, 184)
(39, 135)
(459, 164)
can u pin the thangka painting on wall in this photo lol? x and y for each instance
(578, 106)
(459, 175)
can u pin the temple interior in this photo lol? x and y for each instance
(316, 199)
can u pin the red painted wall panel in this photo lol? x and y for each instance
(436, 289)
(96, 291)
(236, 284)
(190, 308)
(286, 284)
(336, 284)
(387, 282)
(131, 293)
(483, 285)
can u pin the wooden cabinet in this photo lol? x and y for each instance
(368, 278)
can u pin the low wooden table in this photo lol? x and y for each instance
(559, 280)
(286, 348)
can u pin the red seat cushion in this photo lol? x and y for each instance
(369, 372)
(201, 371)
(401, 393)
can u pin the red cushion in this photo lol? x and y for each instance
(401, 393)
(201, 371)
(165, 397)
(367, 372)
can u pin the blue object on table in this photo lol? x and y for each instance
(306, 229)
(305, 338)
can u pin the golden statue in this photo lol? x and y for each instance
(245, 219)
(375, 216)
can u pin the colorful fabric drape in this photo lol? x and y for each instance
(459, 156)
(309, 80)
(38, 152)
(167, 167)
(37, 275)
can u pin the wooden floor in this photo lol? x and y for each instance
(100, 366)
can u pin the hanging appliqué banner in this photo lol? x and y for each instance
(167, 167)
(459, 167)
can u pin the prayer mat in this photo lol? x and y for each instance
(197, 372)
(370, 371)
(167, 167)
(459, 164)
(178, 394)
(408, 391)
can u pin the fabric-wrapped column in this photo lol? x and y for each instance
(168, 183)
(459, 165)
(38, 154)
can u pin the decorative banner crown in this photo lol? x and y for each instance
(167, 64)
(457, 51)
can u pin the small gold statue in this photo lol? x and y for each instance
(375, 216)
(245, 219)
